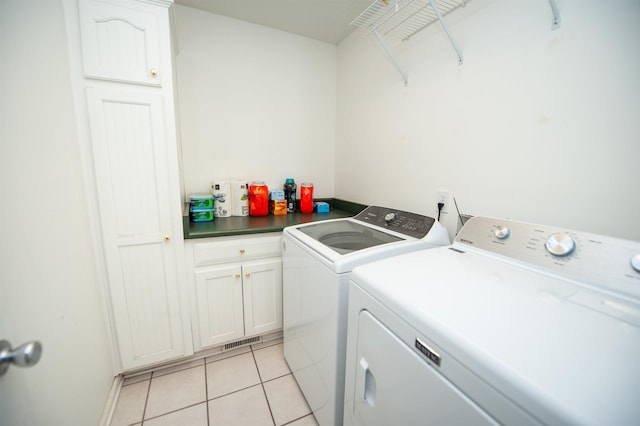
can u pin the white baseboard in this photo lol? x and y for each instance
(112, 400)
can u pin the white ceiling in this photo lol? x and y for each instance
(326, 20)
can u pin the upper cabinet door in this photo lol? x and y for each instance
(120, 43)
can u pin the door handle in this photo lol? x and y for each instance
(367, 385)
(23, 356)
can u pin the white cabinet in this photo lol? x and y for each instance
(131, 148)
(217, 311)
(262, 296)
(236, 289)
(140, 241)
(122, 42)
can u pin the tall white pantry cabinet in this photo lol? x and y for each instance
(125, 78)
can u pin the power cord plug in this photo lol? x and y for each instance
(440, 207)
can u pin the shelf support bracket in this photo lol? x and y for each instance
(446, 30)
(556, 15)
(393, 59)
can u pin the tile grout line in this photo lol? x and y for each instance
(278, 377)
(263, 389)
(235, 391)
(266, 344)
(171, 412)
(153, 373)
(299, 418)
(146, 400)
(206, 392)
(225, 358)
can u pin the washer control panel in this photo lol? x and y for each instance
(407, 223)
(606, 263)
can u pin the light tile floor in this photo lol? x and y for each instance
(248, 386)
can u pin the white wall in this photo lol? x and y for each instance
(254, 103)
(536, 125)
(48, 281)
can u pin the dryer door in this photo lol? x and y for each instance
(394, 385)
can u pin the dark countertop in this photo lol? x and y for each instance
(242, 225)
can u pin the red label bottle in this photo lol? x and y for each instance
(258, 199)
(306, 198)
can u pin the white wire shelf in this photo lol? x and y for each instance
(403, 18)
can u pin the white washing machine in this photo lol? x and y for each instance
(513, 324)
(317, 261)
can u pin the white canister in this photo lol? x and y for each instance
(222, 203)
(239, 198)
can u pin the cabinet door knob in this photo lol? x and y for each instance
(167, 238)
(241, 251)
(153, 72)
(247, 275)
(237, 276)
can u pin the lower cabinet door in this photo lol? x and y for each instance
(262, 285)
(219, 306)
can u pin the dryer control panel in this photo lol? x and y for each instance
(407, 223)
(602, 262)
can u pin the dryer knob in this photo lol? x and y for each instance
(501, 232)
(635, 262)
(560, 244)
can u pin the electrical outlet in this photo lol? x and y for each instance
(443, 197)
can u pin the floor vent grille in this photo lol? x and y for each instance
(244, 342)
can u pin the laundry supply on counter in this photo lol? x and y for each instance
(221, 191)
(258, 199)
(276, 195)
(202, 215)
(201, 207)
(321, 207)
(306, 197)
(201, 202)
(277, 203)
(290, 188)
(278, 207)
(239, 198)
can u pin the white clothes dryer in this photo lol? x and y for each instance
(317, 261)
(514, 323)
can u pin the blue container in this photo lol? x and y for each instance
(322, 207)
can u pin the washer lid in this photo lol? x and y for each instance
(347, 236)
(375, 233)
